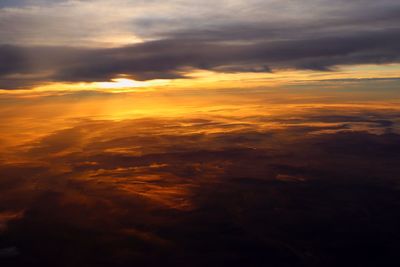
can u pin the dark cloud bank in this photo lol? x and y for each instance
(356, 36)
(301, 195)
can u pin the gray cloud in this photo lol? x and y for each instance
(231, 36)
(173, 58)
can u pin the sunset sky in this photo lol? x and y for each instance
(199, 133)
(100, 44)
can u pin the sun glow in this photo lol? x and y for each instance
(122, 83)
(116, 85)
(201, 79)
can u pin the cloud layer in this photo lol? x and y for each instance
(315, 186)
(69, 41)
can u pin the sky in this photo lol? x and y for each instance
(199, 133)
(72, 42)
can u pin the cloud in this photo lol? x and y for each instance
(70, 41)
(174, 58)
(5, 218)
(66, 22)
(9, 252)
(147, 191)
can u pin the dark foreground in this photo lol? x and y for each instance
(316, 189)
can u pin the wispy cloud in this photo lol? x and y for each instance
(154, 184)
